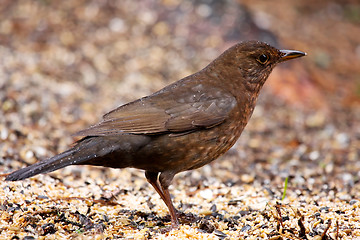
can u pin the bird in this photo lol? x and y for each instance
(181, 127)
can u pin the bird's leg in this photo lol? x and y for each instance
(162, 188)
(152, 178)
(165, 181)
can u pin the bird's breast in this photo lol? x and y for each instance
(185, 151)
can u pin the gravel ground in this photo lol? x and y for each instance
(64, 65)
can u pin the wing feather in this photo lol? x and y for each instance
(161, 112)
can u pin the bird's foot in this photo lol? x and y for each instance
(174, 226)
(187, 218)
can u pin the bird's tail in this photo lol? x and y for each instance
(76, 155)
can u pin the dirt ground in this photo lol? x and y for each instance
(63, 65)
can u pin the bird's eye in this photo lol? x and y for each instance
(263, 58)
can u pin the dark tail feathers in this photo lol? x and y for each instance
(69, 157)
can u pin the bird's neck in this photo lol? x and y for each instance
(244, 90)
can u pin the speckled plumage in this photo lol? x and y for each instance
(181, 127)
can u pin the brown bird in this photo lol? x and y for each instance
(181, 127)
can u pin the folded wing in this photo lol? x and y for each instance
(164, 112)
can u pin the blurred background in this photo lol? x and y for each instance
(65, 63)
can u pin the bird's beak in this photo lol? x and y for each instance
(290, 54)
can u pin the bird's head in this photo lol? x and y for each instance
(252, 62)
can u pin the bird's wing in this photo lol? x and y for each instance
(135, 117)
(166, 111)
(205, 113)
